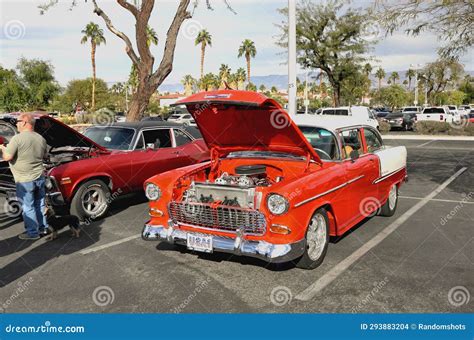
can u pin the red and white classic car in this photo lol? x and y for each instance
(275, 189)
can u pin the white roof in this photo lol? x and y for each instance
(328, 122)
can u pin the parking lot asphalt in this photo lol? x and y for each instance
(419, 260)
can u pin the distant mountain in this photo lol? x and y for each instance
(280, 81)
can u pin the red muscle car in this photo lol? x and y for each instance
(86, 172)
(274, 189)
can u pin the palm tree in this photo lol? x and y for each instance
(203, 38)
(410, 74)
(273, 89)
(224, 74)
(262, 88)
(151, 36)
(367, 69)
(380, 74)
(95, 35)
(241, 75)
(394, 76)
(209, 82)
(188, 81)
(248, 50)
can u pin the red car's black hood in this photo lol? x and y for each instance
(59, 135)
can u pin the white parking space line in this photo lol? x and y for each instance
(342, 266)
(437, 200)
(108, 245)
(426, 143)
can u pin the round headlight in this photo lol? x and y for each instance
(152, 192)
(277, 204)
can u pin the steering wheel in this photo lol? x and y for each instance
(324, 153)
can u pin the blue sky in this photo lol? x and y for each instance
(56, 36)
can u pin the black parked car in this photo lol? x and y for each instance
(401, 120)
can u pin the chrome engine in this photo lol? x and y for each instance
(237, 190)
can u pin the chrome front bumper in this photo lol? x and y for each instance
(275, 253)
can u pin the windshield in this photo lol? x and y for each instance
(394, 115)
(175, 116)
(111, 137)
(410, 109)
(323, 142)
(433, 110)
(7, 131)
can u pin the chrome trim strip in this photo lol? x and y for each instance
(328, 192)
(380, 179)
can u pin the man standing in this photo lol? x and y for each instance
(25, 152)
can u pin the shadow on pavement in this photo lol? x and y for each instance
(224, 257)
(44, 251)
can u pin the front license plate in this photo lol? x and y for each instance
(199, 242)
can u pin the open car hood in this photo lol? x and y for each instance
(59, 135)
(242, 120)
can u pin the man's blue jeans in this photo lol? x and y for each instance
(32, 198)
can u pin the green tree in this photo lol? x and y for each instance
(251, 87)
(394, 76)
(37, 76)
(240, 77)
(394, 96)
(380, 74)
(451, 20)
(274, 89)
(330, 37)
(262, 88)
(152, 37)
(467, 86)
(224, 74)
(79, 92)
(204, 38)
(188, 83)
(410, 74)
(248, 50)
(95, 35)
(13, 94)
(209, 82)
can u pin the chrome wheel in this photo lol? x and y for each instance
(93, 201)
(316, 237)
(392, 197)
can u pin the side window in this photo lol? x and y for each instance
(181, 138)
(373, 140)
(140, 143)
(351, 140)
(160, 138)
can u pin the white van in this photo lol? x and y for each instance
(359, 113)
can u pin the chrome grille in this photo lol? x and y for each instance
(221, 218)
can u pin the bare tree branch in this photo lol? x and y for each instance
(129, 47)
(128, 6)
(141, 33)
(166, 64)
